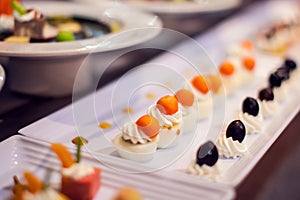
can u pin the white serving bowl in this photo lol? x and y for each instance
(49, 69)
(2, 77)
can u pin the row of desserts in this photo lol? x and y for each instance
(232, 143)
(175, 114)
(79, 181)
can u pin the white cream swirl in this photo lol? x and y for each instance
(281, 93)
(212, 172)
(165, 120)
(77, 170)
(268, 108)
(253, 124)
(48, 194)
(29, 16)
(131, 132)
(237, 50)
(230, 148)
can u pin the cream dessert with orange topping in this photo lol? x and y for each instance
(138, 140)
(199, 87)
(169, 116)
(188, 105)
(230, 78)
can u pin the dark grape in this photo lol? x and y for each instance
(207, 154)
(250, 106)
(274, 80)
(266, 94)
(237, 130)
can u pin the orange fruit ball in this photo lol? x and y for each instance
(226, 68)
(214, 82)
(200, 84)
(247, 45)
(149, 125)
(185, 97)
(249, 63)
(167, 105)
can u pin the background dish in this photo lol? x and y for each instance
(49, 69)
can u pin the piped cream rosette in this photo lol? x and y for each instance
(169, 116)
(231, 143)
(138, 140)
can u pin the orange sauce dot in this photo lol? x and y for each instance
(128, 110)
(104, 125)
(150, 96)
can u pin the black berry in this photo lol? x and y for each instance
(207, 154)
(250, 106)
(266, 94)
(236, 129)
(283, 73)
(274, 80)
(291, 64)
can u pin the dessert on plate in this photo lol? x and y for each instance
(279, 36)
(251, 116)
(188, 106)
(138, 140)
(279, 88)
(34, 189)
(267, 104)
(230, 78)
(205, 163)
(231, 143)
(79, 181)
(199, 87)
(127, 193)
(169, 116)
(31, 24)
(242, 49)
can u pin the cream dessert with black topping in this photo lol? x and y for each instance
(275, 83)
(169, 116)
(267, 104)
(205, 163)
(188, 106)
(250, 116)
(231, 144)
(138, 140)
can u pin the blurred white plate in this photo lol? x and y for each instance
(184, 7)
(175, 8)
(107, 12)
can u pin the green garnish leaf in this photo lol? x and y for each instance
(63, 36)
(18, 7)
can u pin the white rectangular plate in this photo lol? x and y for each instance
(23, 153)
(170, 71)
